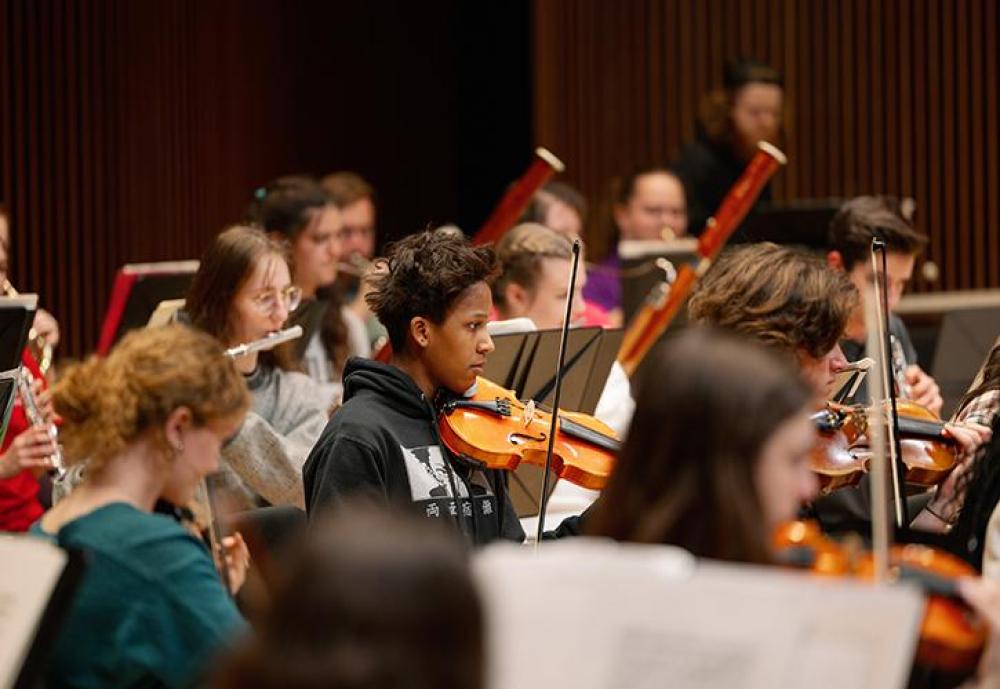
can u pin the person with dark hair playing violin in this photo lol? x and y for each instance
(432, 294)
(849, 241)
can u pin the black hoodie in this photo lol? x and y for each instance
(384, 441)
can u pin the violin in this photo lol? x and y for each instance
(500, 431)
(842, 453)
(952, 637)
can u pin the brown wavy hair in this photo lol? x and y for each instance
(705, 407)
(108, 403)
(423, 275)
(784, 297)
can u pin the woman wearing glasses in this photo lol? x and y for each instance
(243, 292)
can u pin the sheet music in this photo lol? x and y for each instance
(591, 614)
(31, 569)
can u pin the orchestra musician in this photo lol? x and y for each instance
(298, 211)
(747, 110)
(432, 294)
(794, 302)
(535, 268)
(650, 203)
(25, 449)
(149, 420)
(356, 199)
(849, 244)
(243, 292)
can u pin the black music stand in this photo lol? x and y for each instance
(640, 271)
(138, 290)
(526, 364)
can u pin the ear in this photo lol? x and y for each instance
(420, 331)
(620, 213)
(517, 299)
(835, 260)
(177, 422)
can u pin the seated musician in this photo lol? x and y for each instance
(432, 294)
(25, 449)
(563, 209)
(334, 623)
(298, 211)
(535, 267)
(648, 204)
(849, 241)
(242, 292)
(718, 452)
(149, 420)
(357, 201)
(793, 302)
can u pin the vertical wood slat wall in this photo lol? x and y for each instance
(129, 132)
(884, 96)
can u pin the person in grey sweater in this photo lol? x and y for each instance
(242, 292)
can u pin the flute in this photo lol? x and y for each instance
(35, 418)
(267, 342)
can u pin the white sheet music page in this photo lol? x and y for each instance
(29, 572)
(592, 614)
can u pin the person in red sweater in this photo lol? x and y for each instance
(25, 451)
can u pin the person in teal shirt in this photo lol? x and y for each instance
(149, 420)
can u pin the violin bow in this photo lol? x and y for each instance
(543, 499)
(886, 390)
(654, 316)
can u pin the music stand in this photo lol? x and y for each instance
(640, 271)
(138, 290)
(803, 223)
(525, 363)
(16, 316)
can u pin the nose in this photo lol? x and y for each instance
(280, 314)
(485, 345)
(838, 362)
(809, 485)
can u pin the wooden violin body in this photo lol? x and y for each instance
(842, 454)
(498, 430)
(951, 636)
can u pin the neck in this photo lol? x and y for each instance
(247, 363)
(415, 369)
(308, 289)
(131, 476)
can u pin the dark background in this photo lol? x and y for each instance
(134, 130)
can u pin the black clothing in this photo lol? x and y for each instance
(384, 441)
(858, 350)
(850, 508)
(708, 170)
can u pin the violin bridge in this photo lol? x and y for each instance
(529, 413)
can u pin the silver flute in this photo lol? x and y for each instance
(35, 418)
(268, 342)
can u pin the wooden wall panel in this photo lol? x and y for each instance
(133, 130)
(884, 96)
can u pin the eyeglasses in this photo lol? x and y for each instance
(269, 300)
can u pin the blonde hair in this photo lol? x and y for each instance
(107, 404)
(521, 252)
